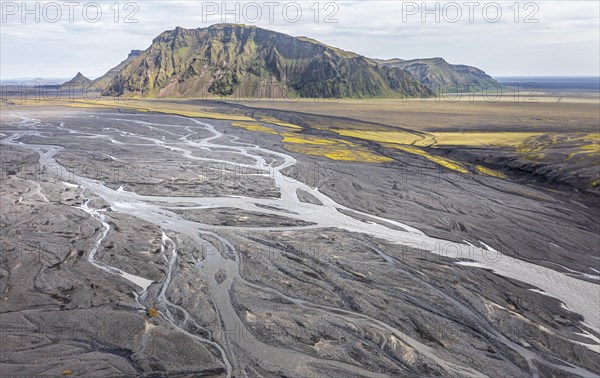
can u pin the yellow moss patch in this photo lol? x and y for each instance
(311, 139)
(587, 150)
(253, 127)
(535, 157)
(441, 138)
(338, 152)
(445, 162)
(482, 138)
(151, 106)
(100, 104)
(152, 312)
(281, 123)
(380, 136)
(490, 172)
(332, 148)
(363, 156)
(594, 137)
(67, 372)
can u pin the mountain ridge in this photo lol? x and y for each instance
(104, 80)
(248, 61)
(223, 59)
(439, 75)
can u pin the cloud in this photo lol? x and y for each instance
(564, 41)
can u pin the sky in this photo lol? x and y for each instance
(529, 38)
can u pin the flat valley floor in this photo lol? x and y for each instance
(143, 243)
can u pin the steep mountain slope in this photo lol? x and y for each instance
(79, 81)
(228, 59)
(104, 81)
(437, 74)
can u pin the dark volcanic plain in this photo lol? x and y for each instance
(146, 244)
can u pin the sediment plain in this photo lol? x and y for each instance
(142, 243)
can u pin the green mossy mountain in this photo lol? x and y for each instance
(246, 61)
(439, 75)
(105, 80)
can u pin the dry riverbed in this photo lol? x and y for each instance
(154, 244)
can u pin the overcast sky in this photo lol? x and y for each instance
(549, 37)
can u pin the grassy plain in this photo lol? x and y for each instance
(545, 130)
(475, 115)
(562, 133)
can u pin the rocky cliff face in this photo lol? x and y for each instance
(105, 80)
(437, 74)
(228, 59)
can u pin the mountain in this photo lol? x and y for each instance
(437, 74)
(105, 80)
(224, 59)
(79, 81)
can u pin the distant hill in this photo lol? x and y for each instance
(225, 59)
(79, 81)
(31, 82)
(437, 74)
(104, 81)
